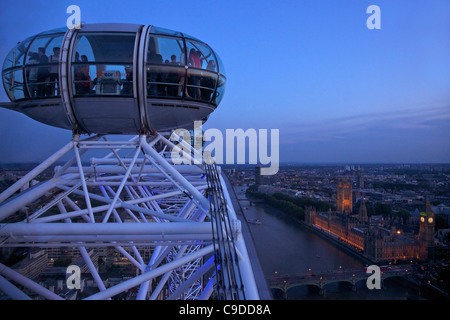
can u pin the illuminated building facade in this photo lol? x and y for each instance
(374, 241)
(337, 225)
(344, 196)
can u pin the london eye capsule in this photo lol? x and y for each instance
(114, 79)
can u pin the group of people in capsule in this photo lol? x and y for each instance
(161, 79)
(43, 80)
(164, 78)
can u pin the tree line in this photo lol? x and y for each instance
(294, 207)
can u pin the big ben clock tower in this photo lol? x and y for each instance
(426, 232)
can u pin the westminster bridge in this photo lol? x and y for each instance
(320, 280)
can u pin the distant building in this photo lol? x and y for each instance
(426, 231)
(33, 264)
(374, 240)
(362, 211)
(344, 196)
(360, 181)
(337, 225)
(382, 244)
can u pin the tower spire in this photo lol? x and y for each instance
(428, 205)
(362, 212)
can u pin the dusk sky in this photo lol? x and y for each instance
(337, 91)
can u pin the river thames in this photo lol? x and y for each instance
(284, 246)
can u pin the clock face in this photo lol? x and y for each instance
(430, 220)
(422, 219)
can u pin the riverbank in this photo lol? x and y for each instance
(297, 219)
(338, 244)
(396, 289)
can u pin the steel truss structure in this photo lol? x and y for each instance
(174, 224)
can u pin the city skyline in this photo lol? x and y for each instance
(337, 91)
(344, 103)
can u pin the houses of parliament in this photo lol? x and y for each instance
(374, 239)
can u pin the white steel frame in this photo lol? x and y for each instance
(131, 198)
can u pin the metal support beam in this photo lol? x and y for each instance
(11, 290)
(35, 172)
(27, 283)
(194, 277)
(110, 292)
(160, 217)
(49, 229)
(174, 173)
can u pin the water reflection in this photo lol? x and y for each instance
(285, 247)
